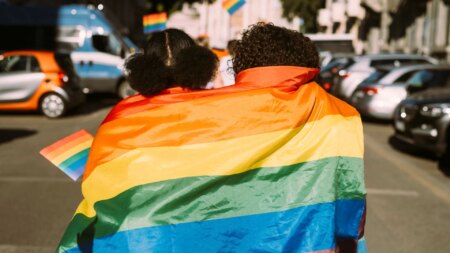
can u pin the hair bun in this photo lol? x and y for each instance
(194, 67)
(147, 74)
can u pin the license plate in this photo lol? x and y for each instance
(400, 126)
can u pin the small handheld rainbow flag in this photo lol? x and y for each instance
(232, 5)
(155, 22)
(70, 153)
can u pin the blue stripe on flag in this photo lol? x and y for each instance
(82, 155)
(302, 229)
(155, 27)
(236, 7)
(77, 172)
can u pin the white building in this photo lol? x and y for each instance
(215, 22)
(410, 26)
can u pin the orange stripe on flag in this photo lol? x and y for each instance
(155, 18)
(229, 3)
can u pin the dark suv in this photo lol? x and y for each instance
(423, 119)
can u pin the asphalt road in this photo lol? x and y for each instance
(408, 195)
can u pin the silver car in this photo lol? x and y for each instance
(378, 96)
(366, 65)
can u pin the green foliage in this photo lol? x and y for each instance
(305, 9)
(170, 6)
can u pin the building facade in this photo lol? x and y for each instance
(409, 26)
(214, 21)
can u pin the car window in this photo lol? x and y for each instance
(330, 66)
(413, 61)
(375, 76)
(33, 64)
(115, 46)
(430, 78)
(447, 83)
(108, 44)
(439, 79)
(420, 78)
(403, 78)
(14, 63)
(337, 63)
(378, 63)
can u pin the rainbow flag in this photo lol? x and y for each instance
(271, 164)
(70, 153)
(155, 22)
(232, 5)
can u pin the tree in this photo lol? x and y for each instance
(305, 9)
(170, 6)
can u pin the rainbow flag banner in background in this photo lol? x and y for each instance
(155, 22)
(70, 153)
(273, 164)
(232, 5)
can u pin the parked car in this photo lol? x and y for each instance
(378, 95)
(39, 80)
(365, 65)
(423, 120)
(328, 74)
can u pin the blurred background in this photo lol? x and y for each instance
(61, 70)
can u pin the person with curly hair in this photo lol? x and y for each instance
(266, 45)
(270, 164)
(286, 60)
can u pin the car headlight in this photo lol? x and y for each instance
(435, 110)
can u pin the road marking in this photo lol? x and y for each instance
(34, 179)
(392, 192)
(25, 249)
(409, 168)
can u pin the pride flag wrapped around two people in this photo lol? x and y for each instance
(271, 164)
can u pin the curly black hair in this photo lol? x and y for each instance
(171, 58)
(265, 44)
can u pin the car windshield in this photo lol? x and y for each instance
(375, 76)
(12, 63)
(338, 64)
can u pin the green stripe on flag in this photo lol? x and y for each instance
(83, 153)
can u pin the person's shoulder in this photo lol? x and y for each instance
(341, 106)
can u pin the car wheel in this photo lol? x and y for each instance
(53, 105)
(124, 90)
